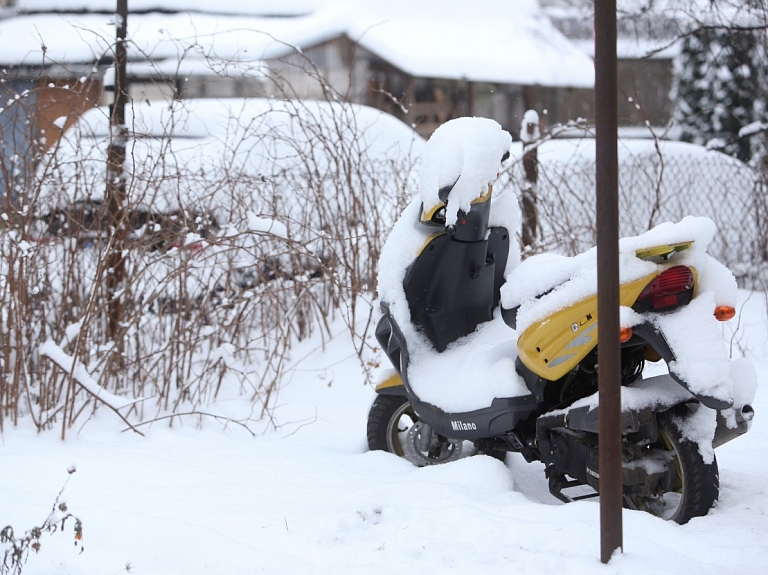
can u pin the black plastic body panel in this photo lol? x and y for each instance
(453, 286)
(493, 421)
(649, 333)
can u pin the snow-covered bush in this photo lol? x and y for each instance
(248, 224)
(720, 86)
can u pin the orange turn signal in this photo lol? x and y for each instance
(625, 333)
(724, 312)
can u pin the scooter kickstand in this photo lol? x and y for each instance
(558, 482)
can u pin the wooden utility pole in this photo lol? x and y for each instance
(609, 349)
(530, 135)
(116, 189)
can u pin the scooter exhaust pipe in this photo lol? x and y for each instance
(726, 430)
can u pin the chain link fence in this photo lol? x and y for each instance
(659, 181)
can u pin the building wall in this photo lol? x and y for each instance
(425, 103)
(342, 64)
(648, 83)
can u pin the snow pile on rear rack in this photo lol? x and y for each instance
(572, 279)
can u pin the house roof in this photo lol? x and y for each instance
(493, 41)
(237, 7)
(487, 40)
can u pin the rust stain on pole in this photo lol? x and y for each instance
(609, 378)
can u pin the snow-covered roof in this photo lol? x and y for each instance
(241, 7)
(80, 38)
(494, 41)
(487, 40)
(722, 12)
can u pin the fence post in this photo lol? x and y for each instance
(760, 210)
(530, 135)
(115, 196)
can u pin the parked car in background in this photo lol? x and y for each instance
(86, 222)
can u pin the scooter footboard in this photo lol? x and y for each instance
(496, 420)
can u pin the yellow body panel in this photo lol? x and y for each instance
(428, 213)
(484, 197)
(662, 252)
(392, 381)
(556, 344)
(428, 240)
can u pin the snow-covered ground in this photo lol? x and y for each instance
(307, 497)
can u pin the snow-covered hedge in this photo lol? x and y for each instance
(250, 223)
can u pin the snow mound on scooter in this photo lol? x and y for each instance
(472, 372)
(465, 152)
(692, 331)
(567, 280)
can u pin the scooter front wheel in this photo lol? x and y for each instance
(393, 426)
(389, 420)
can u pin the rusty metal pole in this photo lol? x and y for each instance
(609, 359)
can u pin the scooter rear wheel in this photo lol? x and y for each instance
(697, 484)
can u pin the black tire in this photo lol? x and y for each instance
(698, 483)
(389, 419)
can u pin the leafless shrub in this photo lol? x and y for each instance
(242, 240)
(16, 548)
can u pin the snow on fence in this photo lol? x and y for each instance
(658, 181)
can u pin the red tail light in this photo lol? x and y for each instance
(670, 289)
